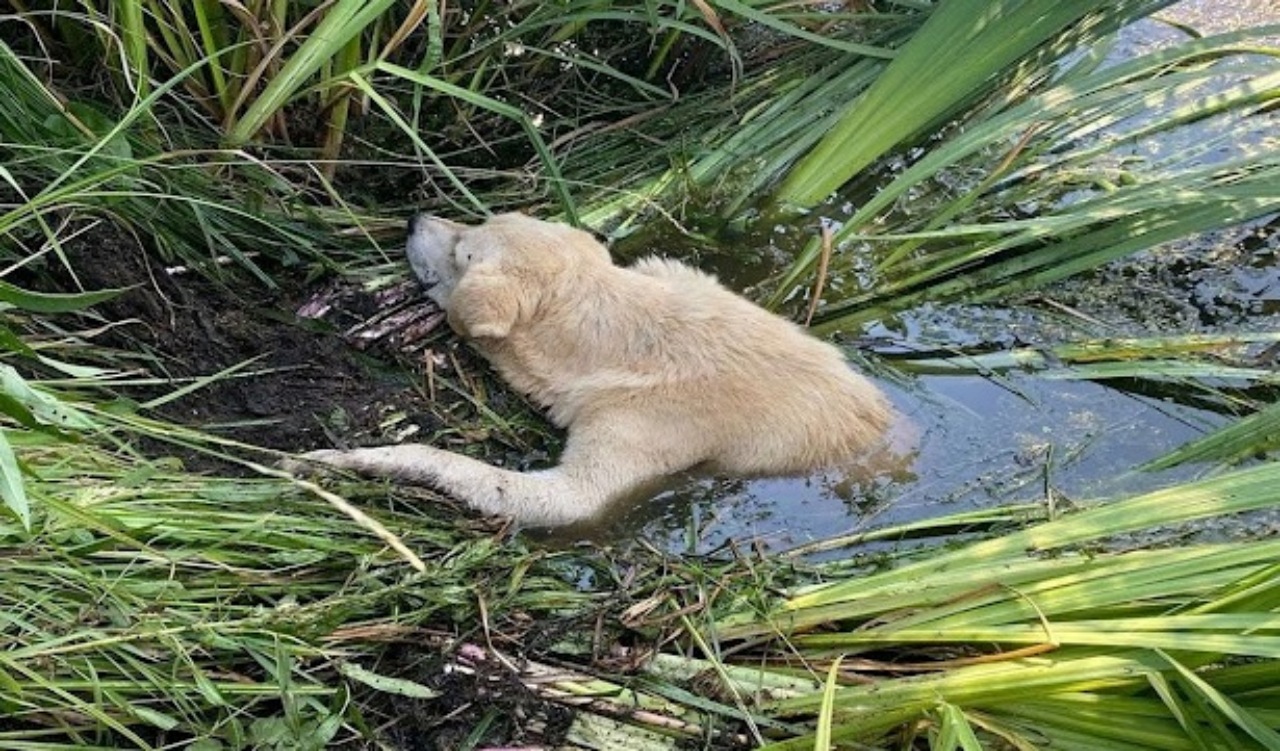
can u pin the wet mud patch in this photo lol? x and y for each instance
(481, 702)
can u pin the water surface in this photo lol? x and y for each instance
(995, 439)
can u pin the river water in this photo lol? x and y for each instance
(985, 441)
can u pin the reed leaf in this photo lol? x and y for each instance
(508, 111)
(1117, 349)
(53, 302)
(1059, 625)
(772, 21)
(1257, 729)
(342, 22)
(12, 490)
(936, 73)
(1235, 492)
(826, 712)
(1247, 437)
(1161, 632)
(1000, 259)
(955, 731)
(134, 45)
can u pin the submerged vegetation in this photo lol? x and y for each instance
(161, 586)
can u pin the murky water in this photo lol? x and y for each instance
(992, 440)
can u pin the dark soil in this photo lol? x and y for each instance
(485, 703)
(357, 368)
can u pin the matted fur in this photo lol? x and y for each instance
(653, 369)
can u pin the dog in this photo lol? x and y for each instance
(653, 369)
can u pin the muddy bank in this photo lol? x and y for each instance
(293, 368)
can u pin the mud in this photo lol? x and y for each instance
(483, 704)
(303, 366)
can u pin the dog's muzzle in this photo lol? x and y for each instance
(429, 244)
(415, 220)
(430, 250)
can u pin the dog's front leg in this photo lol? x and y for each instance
(545, 497)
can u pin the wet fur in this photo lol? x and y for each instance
(652, 369)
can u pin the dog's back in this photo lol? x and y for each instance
(768, 397)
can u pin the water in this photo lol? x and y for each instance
(985, 440)
(981, 442)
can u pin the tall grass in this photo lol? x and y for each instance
(70, 162)
(958, 55)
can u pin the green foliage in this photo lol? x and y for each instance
(73, 164)
(1035, 152)
(1246, 438)
(343, 22)
(505, 110)
(959, 54)
(142, 605)
(12, 490)
(199, 604)
(1066, 624)
(214, 608)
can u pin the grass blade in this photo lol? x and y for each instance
(548, 159)
(52, 303)
(826, 711)
(1245, 720)
(342, 22)
(1239, 491)
(930, 79)
(12, 489)
(1247, 437)
(954, 731)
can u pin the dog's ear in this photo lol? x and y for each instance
(487, 303)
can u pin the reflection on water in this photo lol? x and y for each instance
(1217, 16)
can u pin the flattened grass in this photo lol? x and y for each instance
(149, 603)
(994, 632)
(146, 603)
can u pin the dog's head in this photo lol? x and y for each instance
(490, 277)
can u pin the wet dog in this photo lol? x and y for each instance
(653, 369)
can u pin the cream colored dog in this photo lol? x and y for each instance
(653, 369)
